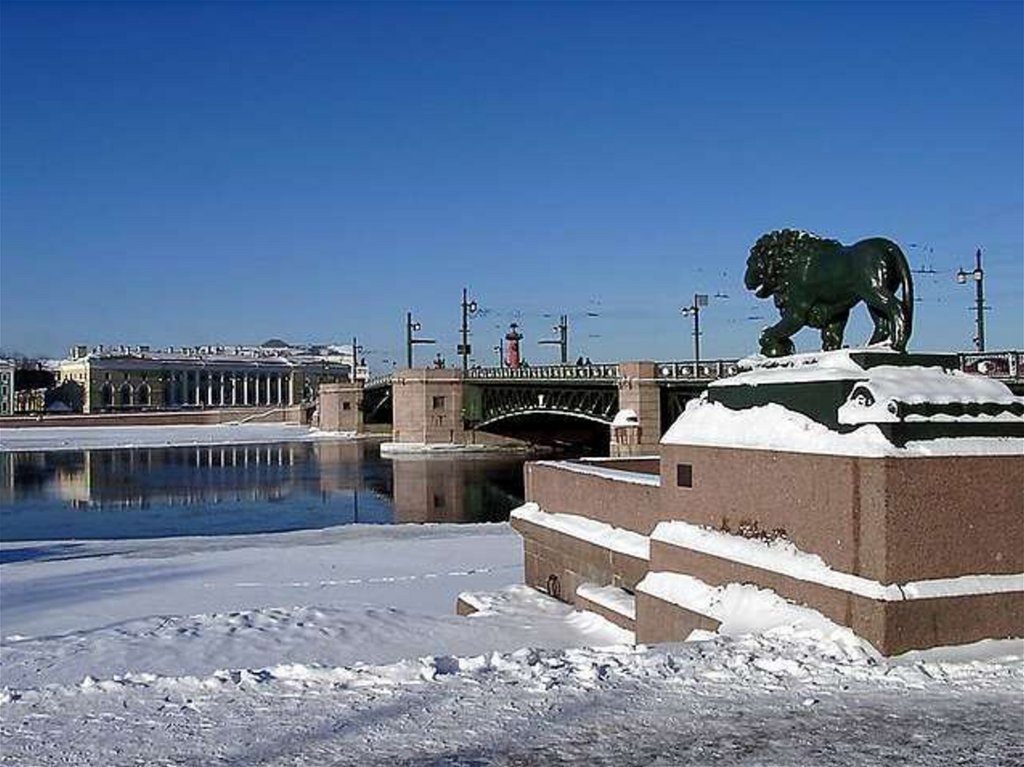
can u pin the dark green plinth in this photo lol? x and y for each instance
(818, 400)
(821, 400)
(868, 358)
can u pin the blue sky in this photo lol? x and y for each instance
(179, 173)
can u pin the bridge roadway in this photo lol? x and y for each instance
(450, 405)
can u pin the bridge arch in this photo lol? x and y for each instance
(494, 403)
(577, 432)
(483, 425)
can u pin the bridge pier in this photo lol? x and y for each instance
(340, 407)
(427, 406)
(638, 391)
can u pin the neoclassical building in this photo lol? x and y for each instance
(6, 387)
(136, 379)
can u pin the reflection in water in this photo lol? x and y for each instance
(460, 489)
(147, 492)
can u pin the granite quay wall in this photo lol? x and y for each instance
(622, 504)
(295, 414)
(639, 465)
(888, 519)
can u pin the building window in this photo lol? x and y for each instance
(684, 475)
(346, 405)
(438, 403)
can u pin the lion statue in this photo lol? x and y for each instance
(816, 282)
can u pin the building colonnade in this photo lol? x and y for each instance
(199, 388)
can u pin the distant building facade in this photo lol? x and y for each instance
(6, 387)
(125, 379)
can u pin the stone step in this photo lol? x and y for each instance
(610, 602)
(892, 617)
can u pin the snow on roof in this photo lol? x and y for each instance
(773, 427)
(783, 557)
(592, 531)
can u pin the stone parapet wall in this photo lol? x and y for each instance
(889, 519)
(620, 504)
(638, 464)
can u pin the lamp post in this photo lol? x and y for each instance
(562, 328)
(356, 348)
(700, 301)
(978, 275)
(469, 309)
(410, 328)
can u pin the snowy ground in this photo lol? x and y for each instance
(95, 437)
(341, 647)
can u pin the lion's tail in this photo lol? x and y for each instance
(907, 282)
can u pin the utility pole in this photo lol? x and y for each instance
(700, 301)
(562, 328)
(355, 357)
(978, 275)
(410, 328)
(469, 308)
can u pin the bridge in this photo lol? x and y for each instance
(554, 404)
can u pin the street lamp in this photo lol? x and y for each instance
(978, 275)
(356, 348)
(700, 301)
(469, 309)
(562, 328)
(410, 328)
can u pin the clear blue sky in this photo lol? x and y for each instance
(178, 173)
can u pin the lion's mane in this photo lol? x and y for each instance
(777, 253)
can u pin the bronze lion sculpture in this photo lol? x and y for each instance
(815, 282)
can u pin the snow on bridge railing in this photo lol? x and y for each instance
(374, 382)
(593, 372)
(1002, 365)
